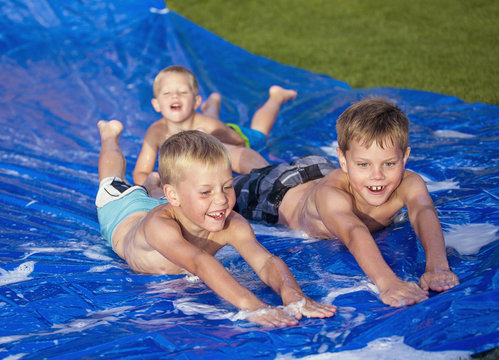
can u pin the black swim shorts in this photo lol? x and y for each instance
(259, 193)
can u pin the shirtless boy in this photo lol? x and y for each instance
(182, 234)
(176, 97)
(356, 200)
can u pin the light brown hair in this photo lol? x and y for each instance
(178, 69)
(373, 120)
(185, 148)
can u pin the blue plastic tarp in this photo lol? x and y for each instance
(64, 293)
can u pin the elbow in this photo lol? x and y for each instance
(271, 265)
(423, 216)
(352, 238)
(139, 177)
(136, 179)
(196, 264)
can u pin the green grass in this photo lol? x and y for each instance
(445, 46)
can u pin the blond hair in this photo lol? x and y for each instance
(182, 150)
(373, 120)
(178, 69)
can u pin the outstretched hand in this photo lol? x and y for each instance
(402, 293)
(269, 316)
(438, 280)
(310, 308)
(289, 315)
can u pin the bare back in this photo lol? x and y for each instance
(321, 207)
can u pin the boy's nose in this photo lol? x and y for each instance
(220, 198)
(377, 173)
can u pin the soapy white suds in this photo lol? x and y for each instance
(452, 134)
(388, 348)
(468, 239)
(159, 11)
(20, 273)
(433, 186)
(331, 149)
(361, 285)
(210, 312)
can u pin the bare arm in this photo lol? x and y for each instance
(424, 220)
(274, 272)
(335, 209)
(147, 157)
(182, 253)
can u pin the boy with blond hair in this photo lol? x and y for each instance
(359, 198)
(176, 97)
(181, 234)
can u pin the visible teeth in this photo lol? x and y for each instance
(376, 188)
(217, 215)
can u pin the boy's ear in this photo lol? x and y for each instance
(155, 104)
(171, 195)
(197, 103)
(342, 159)
(406, 155)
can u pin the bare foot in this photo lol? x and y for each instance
(211, 107)
(110, 129)
(282, 95)
(153, 185)
(264, 117)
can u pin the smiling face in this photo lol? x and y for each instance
(204, 197)
(373, 172)
(175, 98)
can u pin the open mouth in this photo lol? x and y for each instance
(217, 215)
(175, 106)
(376, 189)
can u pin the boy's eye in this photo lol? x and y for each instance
(363, 165)
(227, 187)
(204, 193)
(390, 163)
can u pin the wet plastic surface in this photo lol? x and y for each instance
(65, 294)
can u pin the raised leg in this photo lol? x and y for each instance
(211, 107)
(265, 117)
(153, 185)
(111, 160)
(245, 159)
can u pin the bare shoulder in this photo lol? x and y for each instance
(237, 228)
(207, 123)
(158, 125)
(311, 200)
(412, 188)
(157, 133)
(237, 222)
(159, 222)
(334, 196)
(149, 243)
(334, 183)
(412, 183)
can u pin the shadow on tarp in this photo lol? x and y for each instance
(65, 294)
